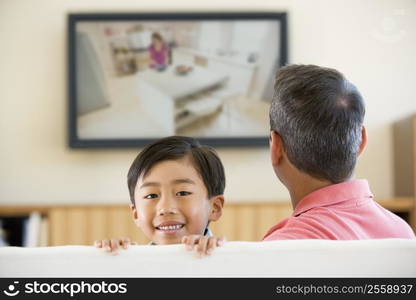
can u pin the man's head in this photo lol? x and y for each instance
(176, 188)
(318, 115)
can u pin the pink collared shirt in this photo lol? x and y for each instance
(344, 211)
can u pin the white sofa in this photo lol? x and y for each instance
(296, 258)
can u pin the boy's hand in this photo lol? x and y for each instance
(203, 245)
(113, 245)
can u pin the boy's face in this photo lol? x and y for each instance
(172, 201)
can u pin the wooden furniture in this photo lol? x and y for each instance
(405, 162)
(81, 225)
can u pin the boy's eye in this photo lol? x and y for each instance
(183, 193)
(150, 196)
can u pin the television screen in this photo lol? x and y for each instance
(134, 78)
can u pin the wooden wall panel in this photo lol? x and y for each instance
(269, 215)
(98, 224)
(249, 222)
(58, 223)
(246, 223)
(83, 225)
(77, 226)
(226, 225)
(404, 143)
(118, 221)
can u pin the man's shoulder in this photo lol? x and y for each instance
(301, 227)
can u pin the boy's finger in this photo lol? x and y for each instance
(201, 247)
(125, 243)
(212, 243)
(106, 245)
(221, 241)
(98, 244)
(192, 240)
(114, 243)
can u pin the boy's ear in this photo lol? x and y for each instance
(217, 204)
(134, 214)
(276, 147)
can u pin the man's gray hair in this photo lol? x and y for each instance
(319, 115)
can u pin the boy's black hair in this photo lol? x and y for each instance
(204, 159)
(319, 115)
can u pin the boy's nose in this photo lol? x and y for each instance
(166, 211)
(166, 206)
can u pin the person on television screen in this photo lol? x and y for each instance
(158, 51)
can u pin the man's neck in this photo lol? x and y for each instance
(303, 186)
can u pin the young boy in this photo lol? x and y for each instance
(176, 189)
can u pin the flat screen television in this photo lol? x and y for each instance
(137, 77)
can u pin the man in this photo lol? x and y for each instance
(317, 133)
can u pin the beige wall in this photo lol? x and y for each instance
(372, 42)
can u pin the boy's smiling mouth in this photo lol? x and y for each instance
(170, 226)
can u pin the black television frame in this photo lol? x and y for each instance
(75, 142)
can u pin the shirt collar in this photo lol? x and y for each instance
(353, 190)
(207, 232)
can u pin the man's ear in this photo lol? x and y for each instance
(276, 147)
(134, 214)
(217, 204)
(363, 140)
